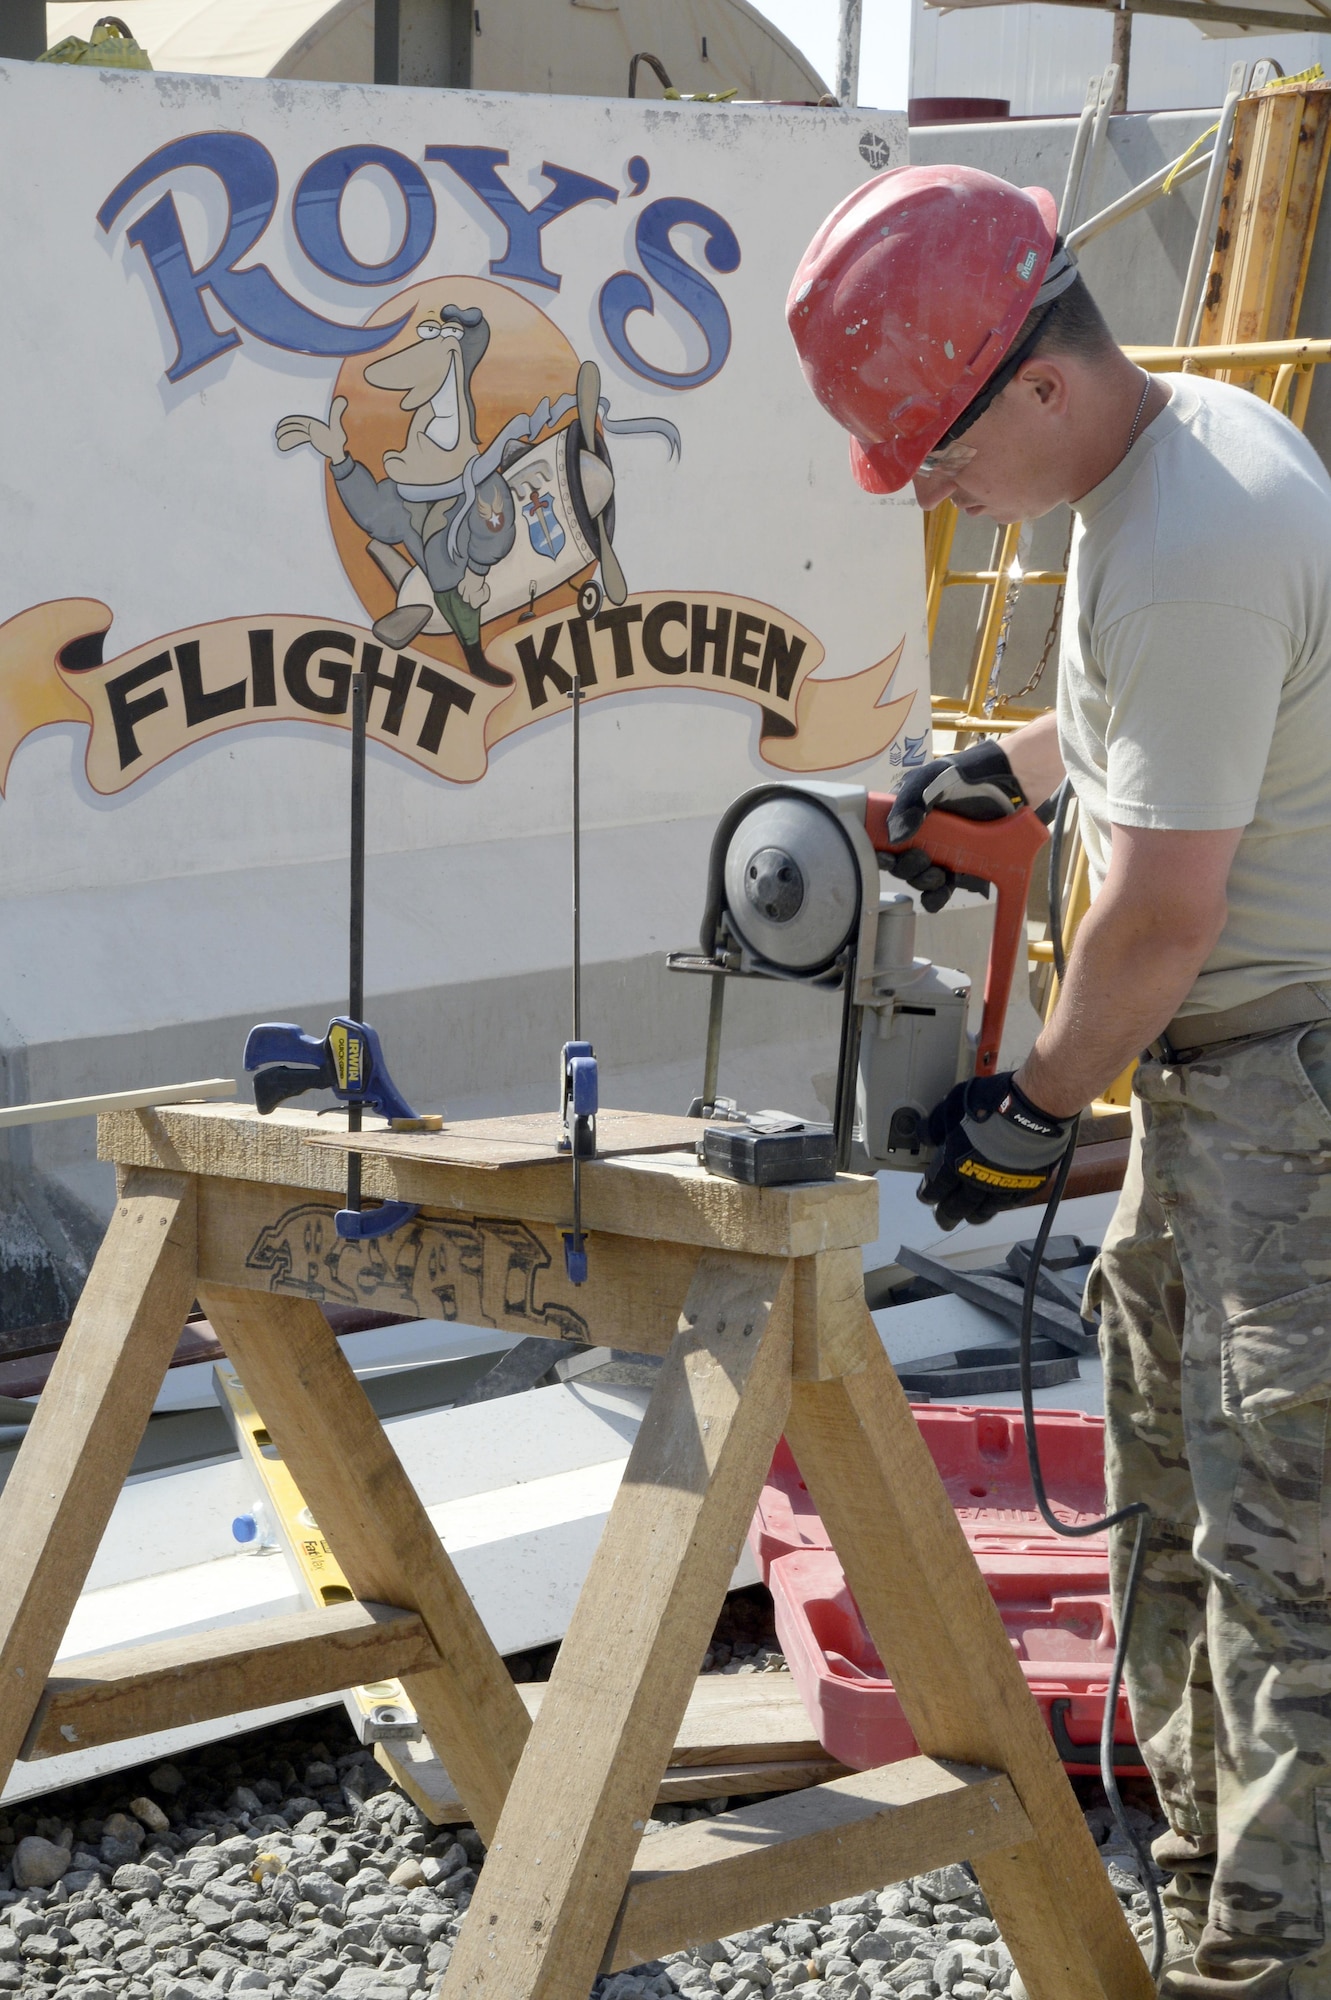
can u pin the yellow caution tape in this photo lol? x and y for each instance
(1183, 158)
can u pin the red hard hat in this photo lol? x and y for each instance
(909, 298)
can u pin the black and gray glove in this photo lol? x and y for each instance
(977, 783)
(996, 1150)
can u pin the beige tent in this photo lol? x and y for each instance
(570, 47)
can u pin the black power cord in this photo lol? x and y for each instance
(1138, 1511)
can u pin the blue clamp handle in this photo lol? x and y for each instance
(348, 1061)
(363, 1225)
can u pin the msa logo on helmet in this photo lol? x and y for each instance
(1026, 267)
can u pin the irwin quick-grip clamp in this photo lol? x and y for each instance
(286, 1062)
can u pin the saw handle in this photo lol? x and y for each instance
(1001, 851)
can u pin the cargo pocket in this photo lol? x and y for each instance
(1276, 1390)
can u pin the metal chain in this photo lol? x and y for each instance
(1054, 624)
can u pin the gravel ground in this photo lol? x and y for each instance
(286, 1864)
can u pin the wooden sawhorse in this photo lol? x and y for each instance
(754, 1298)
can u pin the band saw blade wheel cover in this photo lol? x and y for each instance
(792, 883)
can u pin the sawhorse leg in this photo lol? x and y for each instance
(323, 1425)
(557, 1869)
(89, 1424)
(940, 1637)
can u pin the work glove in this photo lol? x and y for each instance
(977, 783)
(995, 1150)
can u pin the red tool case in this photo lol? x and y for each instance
(1052, 1594)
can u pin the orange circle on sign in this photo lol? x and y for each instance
(528, 357)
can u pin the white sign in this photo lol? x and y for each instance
(470, 393)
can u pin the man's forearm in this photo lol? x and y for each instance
(1127, 977)
(1036, 760)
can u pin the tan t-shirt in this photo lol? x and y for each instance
(1195, 670)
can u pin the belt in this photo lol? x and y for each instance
(1288, 1007)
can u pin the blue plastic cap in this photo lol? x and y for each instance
(245, 1528)
(575, 1259)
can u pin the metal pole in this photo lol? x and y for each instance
(577, 860)
(711, 1068)
(356, 925)
(1121, 55)
(1067, 208)
(577, 938)
(1194, 284)
(848, 52)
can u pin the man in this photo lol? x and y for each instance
(940, 321)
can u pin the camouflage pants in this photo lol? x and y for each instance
(1215, 1289)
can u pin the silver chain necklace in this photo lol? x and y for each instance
(1146, 390)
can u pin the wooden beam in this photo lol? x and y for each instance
(651, 1196)
(89, 1423)
(740, 1733)
(560, 1861)
(352, 1480)
(708, 1877)
(960, 1685)
(482, 1270)
(115, 1100)
(108, 1697)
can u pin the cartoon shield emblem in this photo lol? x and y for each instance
(543, 529)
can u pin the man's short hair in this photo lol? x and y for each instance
(1074, 324)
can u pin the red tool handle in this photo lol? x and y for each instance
(1001, 851)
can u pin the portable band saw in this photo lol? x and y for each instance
(793, 893)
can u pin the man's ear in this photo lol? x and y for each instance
(1045, 377)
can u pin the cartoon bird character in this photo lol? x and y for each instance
(440, 507)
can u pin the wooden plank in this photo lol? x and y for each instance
(107, 1697)
(740, 1733)
(55, 1109)
(423, 1778)
(352, 1480)
(942, 1642)
(707, 1878)
(560, 1860)
(88, 1426)
(524, 1139)
(657, 1197)
(483, 1271)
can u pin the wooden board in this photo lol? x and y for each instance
(479, 1270)
(108, 1697)
(423, 1778)
(560, 1860)
(942, 1642)
(657, 1197)
(740, 1733)
(87, 1428)
(523, 1140)
(334, 1446)
(706, 1878)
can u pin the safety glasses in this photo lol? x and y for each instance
(948, 462)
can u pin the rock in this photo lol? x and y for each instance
(207, 1914)
(38, 1863)
(248, 1935)
(946, 1885)
(150, 1814)
(135, 1878)
(910, 1973)
(319, 1777)
(408, 1874)
(120, 1826)
(165, 1778)
(249, 1980)
(243, 1800)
